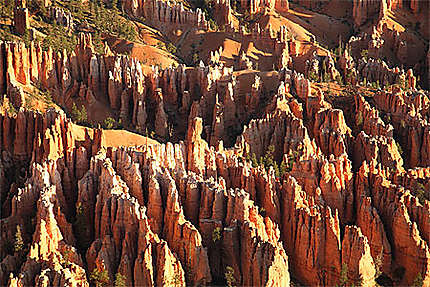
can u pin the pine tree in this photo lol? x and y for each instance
(216, 234)
(229, 276)
(282, 168)
(343, 280)
(120, 280)
(83, 114)
(80, 116)
(418, 281)
(99, 278)
(254, 160)
(19, 242)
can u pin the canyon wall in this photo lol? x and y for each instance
(345, 189)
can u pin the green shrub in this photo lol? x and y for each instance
(359, 119)
(399, 148)
(12, 110)
(418, 281)
(6, 9)
(343, 280)
(58, 39)
(109, 21)
(283, 169)
(120, 280)
(176, 281)
(421, 193)
(79, 116)
(213, 25)
(229, 276)
(216, 234)
(99, 278)
(313, 76)
(18, 245)
(171, 48)
(160, 45)
(66, 256)
(109, 123)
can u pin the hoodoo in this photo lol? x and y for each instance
(214, 143)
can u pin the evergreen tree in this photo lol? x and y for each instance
(120, 280)
(99, 278)
(18, 245)
(254, 160)
(283, 168)
(343, 280)
(229, 276)
(79, 116)
(216, 234)
(418, 281)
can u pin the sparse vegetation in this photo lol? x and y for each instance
(375, 85)
(399, 148)
(418, 281)
(196, 59)
(58, 39)
(263, 211)
(109, 21)
(216, 234)
(171, 48)
(176, 280)
(79, 116)
(339, 80)
(421, 193)
(18, 245)
(94, 14)
(401, 83)
(120, 280)
(6, 9)
(65, 257)
(343, 278)
(365, 54)
(268, 161)
(378, 264)
(100, 278)
(109, 123)
(160, 45)
(313, 76)
(229, 276)
(359, 118)
(325, 74)
(6, 33)
(12, 110)
(196, 88)
(213, 25)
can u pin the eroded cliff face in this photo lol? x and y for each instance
(253, 185)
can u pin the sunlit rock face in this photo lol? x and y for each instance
(269, 161)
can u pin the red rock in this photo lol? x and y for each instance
(356, 254)
(371, 225)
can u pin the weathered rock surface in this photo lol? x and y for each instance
(262, 178)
